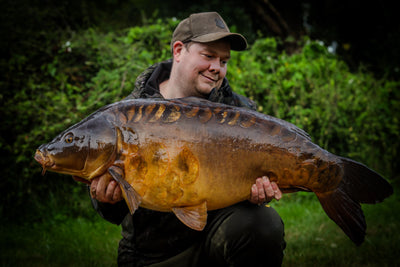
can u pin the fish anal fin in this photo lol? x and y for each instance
(194, 217)
(133, 199)
(294, 189)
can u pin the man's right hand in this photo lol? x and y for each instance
(105, 189)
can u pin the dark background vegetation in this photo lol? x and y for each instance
(330, 67)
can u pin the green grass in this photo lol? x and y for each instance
(312, 238)
(74, 242)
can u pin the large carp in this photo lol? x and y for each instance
(190, 155)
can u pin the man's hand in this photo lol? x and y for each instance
(105, 189)
(264, 191)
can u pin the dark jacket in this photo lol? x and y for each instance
(151, 236)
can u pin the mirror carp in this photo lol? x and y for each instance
(190, 155)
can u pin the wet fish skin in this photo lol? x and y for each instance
(190, 155)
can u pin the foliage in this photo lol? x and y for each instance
(86, 71)
(351, 114)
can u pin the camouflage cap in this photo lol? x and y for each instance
(207, 27)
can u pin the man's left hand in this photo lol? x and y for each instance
(263, 191)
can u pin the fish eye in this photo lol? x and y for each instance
(69, 138)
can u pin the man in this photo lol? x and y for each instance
(244, 234)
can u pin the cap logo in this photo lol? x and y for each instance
(219, 23)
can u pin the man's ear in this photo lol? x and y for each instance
(177, 50)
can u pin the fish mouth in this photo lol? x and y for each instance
(43, 160)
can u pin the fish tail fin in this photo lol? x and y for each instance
(345, 212)
(364, 184)
(359, 185)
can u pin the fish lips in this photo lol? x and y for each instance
(43, 160)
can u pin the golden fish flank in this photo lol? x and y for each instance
(153, 160)
(191, 155)
(161, 179)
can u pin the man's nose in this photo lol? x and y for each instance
(215, 66)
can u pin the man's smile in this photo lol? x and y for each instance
(212, 79)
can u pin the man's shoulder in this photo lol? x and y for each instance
(242, 101)
(142, 88)
(226, 95)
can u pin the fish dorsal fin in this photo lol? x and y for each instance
(133, 199)
(194, 217)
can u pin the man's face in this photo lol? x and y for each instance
(202, 67)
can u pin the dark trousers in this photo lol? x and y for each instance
(241, 235)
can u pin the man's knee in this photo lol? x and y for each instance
(248, 232)
(260, 223)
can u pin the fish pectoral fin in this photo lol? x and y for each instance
(133, 199)
(194, 217)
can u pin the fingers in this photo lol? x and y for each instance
(93, 187)
(105, 189)
(113, 192)
(268, 191)
(258, 195)
(254, 194)
(277, 191)
(264, 191)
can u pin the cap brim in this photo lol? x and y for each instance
(237, 41)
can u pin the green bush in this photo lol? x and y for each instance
(88, 70)
(350, 114)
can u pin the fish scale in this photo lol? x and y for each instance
(190, 155)
(172, 113)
